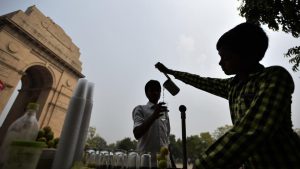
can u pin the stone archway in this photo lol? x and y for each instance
(36, 86)
(37, 52)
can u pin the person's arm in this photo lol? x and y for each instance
(145, 124)
(214, 86)
(268, 111)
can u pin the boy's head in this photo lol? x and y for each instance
(241, 48)
(247, 40)
(153, 90)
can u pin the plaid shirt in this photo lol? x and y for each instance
(260, 107)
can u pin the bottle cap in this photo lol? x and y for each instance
(33, 106)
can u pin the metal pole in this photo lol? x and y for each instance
(182, 109)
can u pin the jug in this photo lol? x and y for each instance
(170, 86)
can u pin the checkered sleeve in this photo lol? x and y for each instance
(214, 86)
(263, 118)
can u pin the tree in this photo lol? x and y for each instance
(220, 131)
(94, 141)
(194, 147)
(91, 132)
(126, 144)
(175, 147)
(276, 14)
(206, 139)
(111, 146)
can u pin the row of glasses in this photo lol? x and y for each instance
(118, 159)
(137, 161)
(98, 159)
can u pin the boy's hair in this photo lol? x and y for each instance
(152, 84)
(247, 40)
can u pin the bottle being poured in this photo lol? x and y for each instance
(24, 128)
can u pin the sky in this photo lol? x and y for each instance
(121, 40)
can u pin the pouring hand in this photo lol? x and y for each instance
(162, 68)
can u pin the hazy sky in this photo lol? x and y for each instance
(121, 40)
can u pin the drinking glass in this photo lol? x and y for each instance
(145, 161)
(133, 161)
(104, 157)
(163, 115)
(118, 160)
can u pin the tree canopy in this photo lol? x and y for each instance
(126, 144)
(277, 14)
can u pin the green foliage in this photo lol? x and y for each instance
(96, 143)
(91, 132)
(112, 146)
(46, 135)
(175, 147)
(276, 14)
(47, 129)
(206, 139)
(126, 144)
(194, 146)
(294, 54)
(273, 13)
(220, 131)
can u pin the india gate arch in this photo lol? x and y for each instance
(37, 53)
(35, 87)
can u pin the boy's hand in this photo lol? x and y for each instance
(162, 67)
(159, 108)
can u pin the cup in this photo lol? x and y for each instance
(164, 114)
(23, 154)
(145, 161)
(118, 162)
(104, 159)
(133, 160)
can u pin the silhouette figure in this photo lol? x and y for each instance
(149, 129)
(260, 105)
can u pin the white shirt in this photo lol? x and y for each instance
(157, 135)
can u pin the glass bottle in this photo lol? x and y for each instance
(24, 128)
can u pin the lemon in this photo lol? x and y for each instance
(164, 151)
(160, 157)
(162, 164)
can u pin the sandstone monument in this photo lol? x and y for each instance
(35, 51)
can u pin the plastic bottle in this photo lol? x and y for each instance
(24, 128)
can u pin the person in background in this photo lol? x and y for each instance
(260, 105)
(149, 129)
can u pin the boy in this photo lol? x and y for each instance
(151, 132)
(260, 105)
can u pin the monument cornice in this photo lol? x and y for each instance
(8, 21)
